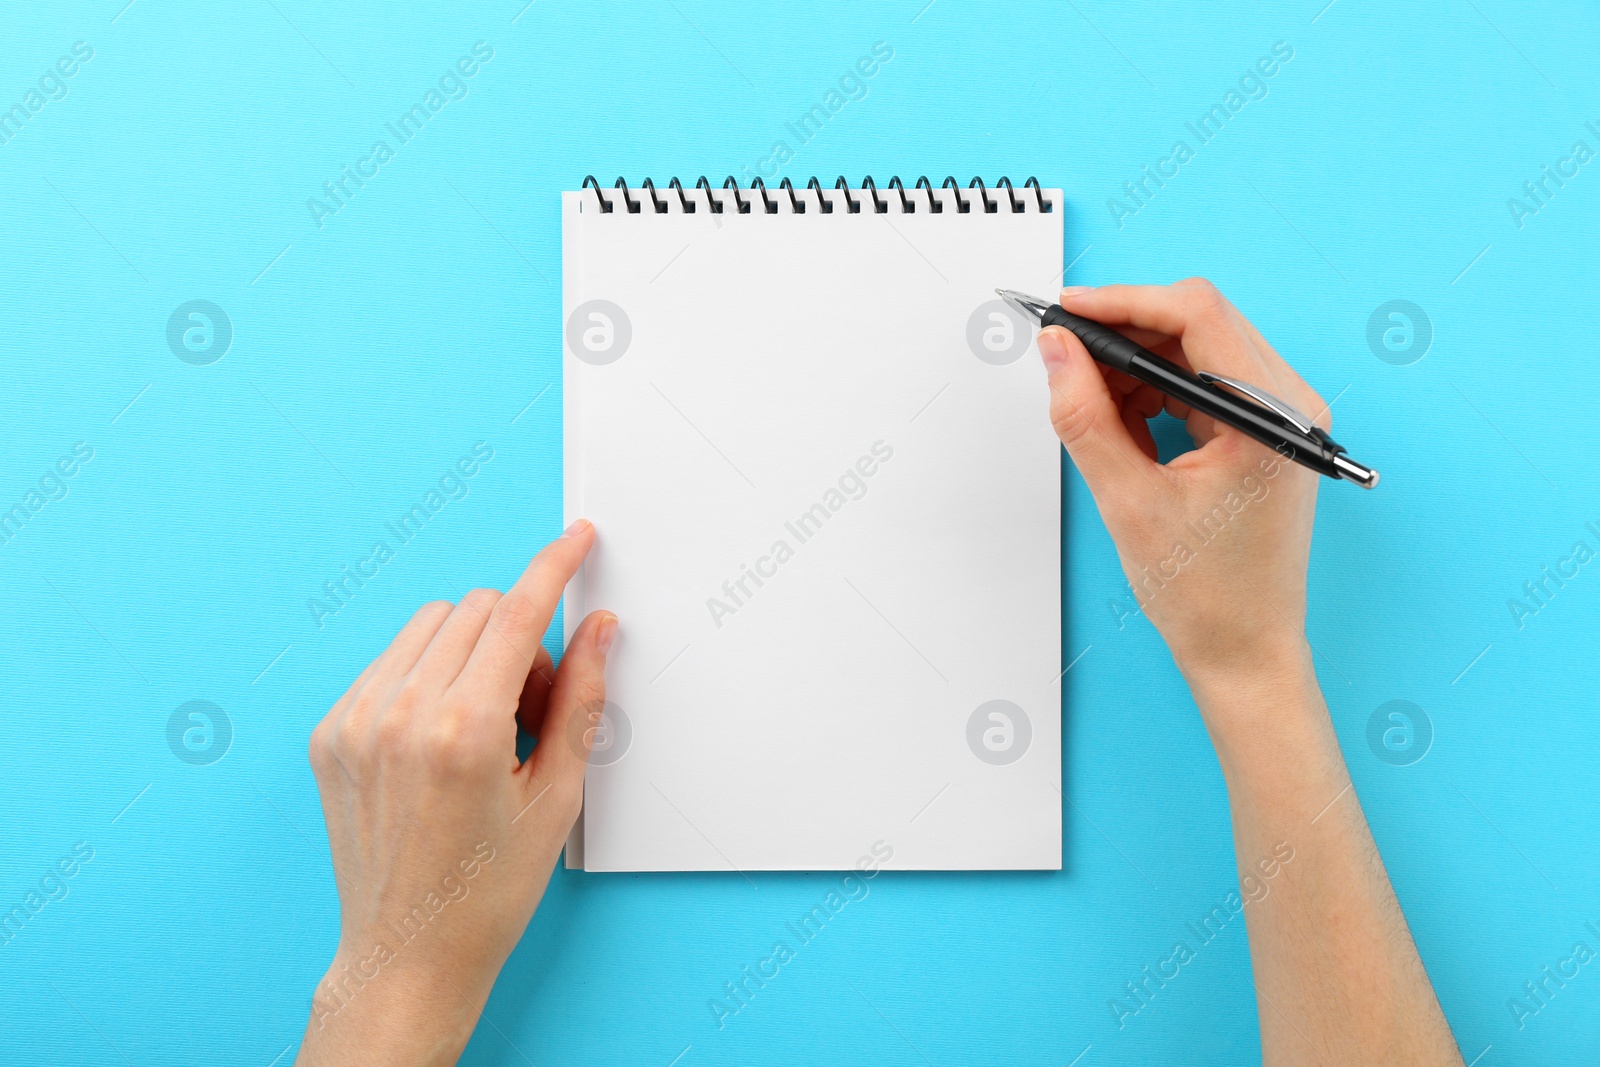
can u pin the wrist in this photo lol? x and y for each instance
(1220, 661)
(1264, 712)
(373, 1009)
(1259, 671)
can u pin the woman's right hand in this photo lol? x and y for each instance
(1215, 542)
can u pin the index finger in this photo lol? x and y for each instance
(505, 652)
(1191, 310)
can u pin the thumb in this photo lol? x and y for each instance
(576, 716)
(1088, 421)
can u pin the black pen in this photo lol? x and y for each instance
(1247, 408)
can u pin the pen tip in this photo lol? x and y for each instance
(999, 292)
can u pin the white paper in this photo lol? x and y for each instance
(771, 359)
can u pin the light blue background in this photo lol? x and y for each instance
(425, 316)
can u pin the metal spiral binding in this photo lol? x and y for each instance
(991, 204)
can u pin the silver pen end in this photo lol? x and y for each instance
(1351, 471)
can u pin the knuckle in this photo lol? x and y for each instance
(446, 735)
(388, 736)
(434, 611)
(451, 744)
(481, 601)
(1204, 298)
(588, 712)
(345, 732)
(386, 728)
(1072, 424)
(319, 749)
(363, 702)
(410, 695)
(517, 611)
(589, 688)
(1072, 431)
(348, 740)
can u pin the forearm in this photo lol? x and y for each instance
(1338, 979)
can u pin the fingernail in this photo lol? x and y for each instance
(1053, 350)
(576, 528)
(1075, 290)
(606, 634)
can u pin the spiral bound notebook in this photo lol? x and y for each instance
(816, 448)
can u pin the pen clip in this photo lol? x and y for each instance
(1282, 408)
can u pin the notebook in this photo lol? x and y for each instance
(816, 449)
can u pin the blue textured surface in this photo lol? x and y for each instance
(424, 316)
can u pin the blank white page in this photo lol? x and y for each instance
(828, 500)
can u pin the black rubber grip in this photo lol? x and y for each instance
(1104, 344)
